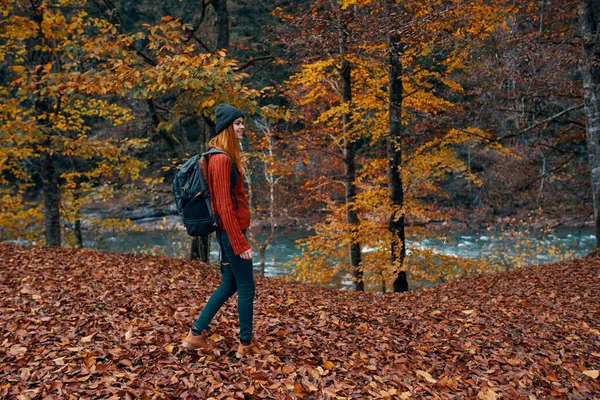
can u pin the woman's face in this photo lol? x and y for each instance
(238, 128)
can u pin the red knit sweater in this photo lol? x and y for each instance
(233, 220)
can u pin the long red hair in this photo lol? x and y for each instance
(227, 142)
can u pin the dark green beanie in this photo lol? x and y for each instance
(225, 116)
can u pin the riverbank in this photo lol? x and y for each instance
(84, 323)
(166, 217)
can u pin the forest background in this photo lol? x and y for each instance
(369, 121)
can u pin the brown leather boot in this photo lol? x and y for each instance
(196, 342)
(244, 350)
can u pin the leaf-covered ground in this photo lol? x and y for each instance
(101, 325)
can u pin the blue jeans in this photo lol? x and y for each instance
(236, 276)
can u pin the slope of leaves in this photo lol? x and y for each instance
(101, 325)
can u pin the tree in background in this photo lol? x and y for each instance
(55, 124)
(589, 22)
(420, 89)
(328, 68)
(204, 30)
(80, 69)
(265, 194)
(527, 91)
(200, 246)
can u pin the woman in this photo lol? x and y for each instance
(233, 221)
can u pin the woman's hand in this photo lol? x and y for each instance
(247, 255)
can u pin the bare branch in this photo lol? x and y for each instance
(335, 141)
(550, 172)
(252, 61)
(550, 119)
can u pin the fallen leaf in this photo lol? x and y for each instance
(259, 376)
(426, 375)
(487, 394)
(592, 373)
(88, 338)
(17, 350)
(126, 363)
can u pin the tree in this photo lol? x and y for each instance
(189, 125)
(589, 21)
(530, 100)
(51, 98)
(186, 82)
(334, 39)
(200, 246)
(394, 156)
(265, 156)
(408, 91)
(221, 23)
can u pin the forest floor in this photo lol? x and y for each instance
(102, 325)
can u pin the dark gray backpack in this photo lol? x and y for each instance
(192, 196)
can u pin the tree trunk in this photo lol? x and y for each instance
(51, 199)
(78, 234)
(268, 158)
(589, 20)
(394, 155)
(263, 248)
(221, 23)
(48, 172)
(77, 228)
(349, 177)
(262, 253)
(200, 248)
(170, 140)
(201, 245)
(271, 181)
(211, 130)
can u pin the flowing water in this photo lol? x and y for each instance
(558, 246)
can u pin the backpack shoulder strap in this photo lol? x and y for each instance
(234, 171)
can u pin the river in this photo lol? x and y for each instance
(561, 245)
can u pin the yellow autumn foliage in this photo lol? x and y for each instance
(429, 156)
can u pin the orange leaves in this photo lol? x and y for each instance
(53, 25)
(17, 27)
(469, 338)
